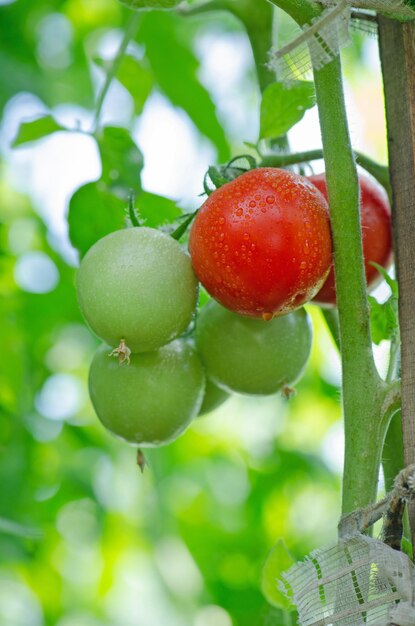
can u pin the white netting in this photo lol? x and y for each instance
(321, 40)
(360, 581)
(316, 45)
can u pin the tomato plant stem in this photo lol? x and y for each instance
(378, 171)
(364, 393)
(128, 35)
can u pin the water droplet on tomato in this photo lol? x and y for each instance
(267, 317)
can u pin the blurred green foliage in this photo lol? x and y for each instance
(85, 539)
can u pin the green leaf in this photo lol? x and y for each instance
(283, 105)
(278, 561)
(175, 68)
(93, 213)
(134, 76)
(150, 4)
(182, 228)
(392, 283)
(122, 161)
(156, 210)
(37, 129)
(384, 319)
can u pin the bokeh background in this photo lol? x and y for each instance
(85, 539)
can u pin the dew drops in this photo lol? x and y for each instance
(222, 236)
(303, 265)
(267, 317)
(239, 212)
(221, 220)
(246, 236)
(252, 204)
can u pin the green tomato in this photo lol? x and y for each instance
(214, 397)
(137, 285)
(249, 355)
(151, 400)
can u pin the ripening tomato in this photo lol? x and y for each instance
(151, 400)
(251, 356)
(137, 285)
(375, 216)
(261, 244)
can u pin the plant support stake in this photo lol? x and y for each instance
(397, 50)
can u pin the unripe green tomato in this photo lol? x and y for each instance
(214, 397)
(137, 284)
(250, 355)
(151, 400)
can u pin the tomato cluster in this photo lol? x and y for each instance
(261, 246)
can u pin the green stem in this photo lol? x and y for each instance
(257, 18)
(302, 11)
(128, 35)
(378, 171)
(363, 390)
(392, 454)
(332, 320)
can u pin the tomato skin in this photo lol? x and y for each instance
(261, 244)
(137, 284)
(249, 355)
(375, 215)
(150, 401)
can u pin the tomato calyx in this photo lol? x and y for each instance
(123, 353)
(288, 392)
(218, 175)
(141, 460)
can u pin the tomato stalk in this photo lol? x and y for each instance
(368, 402)
(257, 19)
(378, 171)
(129, 33)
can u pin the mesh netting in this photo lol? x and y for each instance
(321, 41)
(360, 581)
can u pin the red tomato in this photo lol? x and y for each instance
(261, 244)
(375, 216)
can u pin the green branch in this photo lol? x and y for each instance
(363, 390)
(128, 35)
(378, 171)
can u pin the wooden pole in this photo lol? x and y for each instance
(397, 51)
